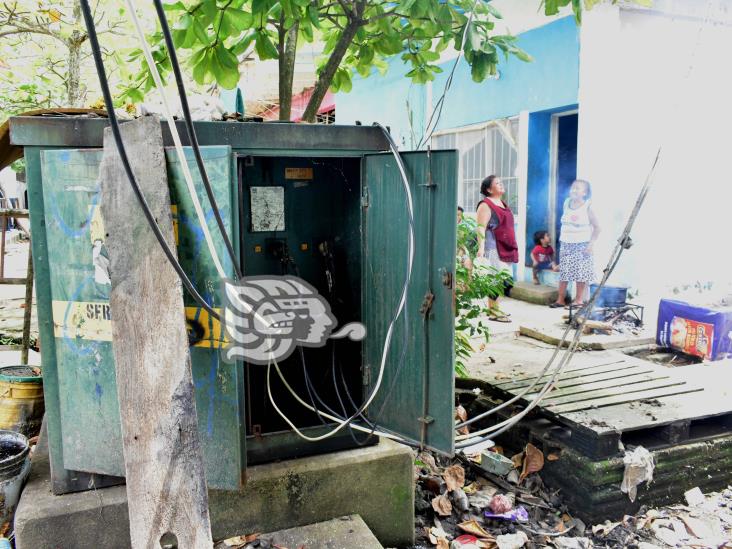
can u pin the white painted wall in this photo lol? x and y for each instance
(650, 79)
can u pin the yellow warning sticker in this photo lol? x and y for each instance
(82, 320)
(93, 321)
(299, 173)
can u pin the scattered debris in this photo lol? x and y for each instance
(564, 542)
(512, 541)
(497, 464)
(694, 497)
(519, 514)
(454, 477)
(442, 505)
(533, 461)
(639, 468)
(481, 510)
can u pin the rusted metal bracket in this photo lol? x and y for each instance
(429, 298)
(447, 279)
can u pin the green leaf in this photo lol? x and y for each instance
(314, 15)
(202, 68)
(287, 8)
(243, 44)
(260, 6)
(200, 32)
(135, 95)
(306, 30)
(208, 12)
(522, 55)
(197, 56)
(226, 74)
(492, 10)
(226, 57)
(474, 39)
(264, 47)
(184, 22)
(176, 6)
(238, 19)
(346, 83)
(366, 54)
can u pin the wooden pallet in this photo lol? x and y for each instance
(630, 400)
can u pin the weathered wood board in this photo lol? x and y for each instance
(166, 486)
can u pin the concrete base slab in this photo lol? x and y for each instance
(374, 482)
(340, 533)
(534, 293)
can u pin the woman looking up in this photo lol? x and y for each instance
(496, 236)
(576, 238)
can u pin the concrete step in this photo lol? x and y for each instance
(346, 532)
(373, 482)
(534, 293)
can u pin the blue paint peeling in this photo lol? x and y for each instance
(84, 227)
(98, 391)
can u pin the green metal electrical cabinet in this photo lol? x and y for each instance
(325, 203)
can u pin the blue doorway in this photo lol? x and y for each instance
(565, 165)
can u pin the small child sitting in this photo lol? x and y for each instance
(542, 256)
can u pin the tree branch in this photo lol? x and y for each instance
(345, 8)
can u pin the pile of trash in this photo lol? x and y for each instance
(488, 501)
(491, 501)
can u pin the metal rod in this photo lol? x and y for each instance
(12, 281)
(2, 245)
(28, 308)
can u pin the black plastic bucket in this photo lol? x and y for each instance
(610, 296)
(14, 450)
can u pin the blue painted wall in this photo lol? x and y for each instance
(550, 81)
(390, 99)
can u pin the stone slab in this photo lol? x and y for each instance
(374, 482)
(533, 293)
(346, 532)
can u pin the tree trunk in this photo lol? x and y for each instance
(73, 80)
(326, 76)
(288, 52)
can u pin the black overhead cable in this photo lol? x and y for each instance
(104, 84)
(192, 133)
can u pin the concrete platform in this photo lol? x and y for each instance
(341, 533)
(374, 482)
(534, 293)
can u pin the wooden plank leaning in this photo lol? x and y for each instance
(166, 486)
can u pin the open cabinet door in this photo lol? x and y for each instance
(415, 398)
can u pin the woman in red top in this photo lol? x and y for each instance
(496, 236)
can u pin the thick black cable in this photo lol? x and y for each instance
(114, 124)
(192, 133)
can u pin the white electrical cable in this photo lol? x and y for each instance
(312, 409)
(389, 332)
(176, 140)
